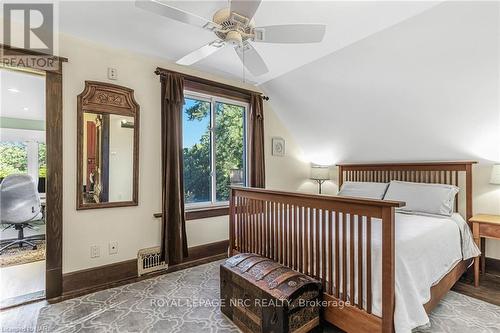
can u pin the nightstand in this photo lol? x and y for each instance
(483, 226)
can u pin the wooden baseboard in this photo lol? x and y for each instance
(202, 251)
(97, 276)
(492, 265)
(108, 276)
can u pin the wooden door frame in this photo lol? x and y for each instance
(54, 178)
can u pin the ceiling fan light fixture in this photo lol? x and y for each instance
(233, 37)
(235, 25)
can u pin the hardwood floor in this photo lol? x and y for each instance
(489, 285)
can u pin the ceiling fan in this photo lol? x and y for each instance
(235, 26)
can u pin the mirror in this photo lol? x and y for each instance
(108, 147)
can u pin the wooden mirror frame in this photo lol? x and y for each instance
(106, 98)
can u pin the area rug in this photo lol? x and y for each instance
(187, 301)
(16, 255)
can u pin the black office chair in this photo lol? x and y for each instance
(20, 205)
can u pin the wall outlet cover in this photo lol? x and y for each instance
(112, 73)
(113, 247)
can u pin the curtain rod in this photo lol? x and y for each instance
(162, 71)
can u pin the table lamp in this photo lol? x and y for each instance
(320, 173)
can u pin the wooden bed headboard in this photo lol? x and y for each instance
(420, 172)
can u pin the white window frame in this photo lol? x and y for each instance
(213, 99)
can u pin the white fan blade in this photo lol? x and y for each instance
(290, 33)
(180, 15)
(251, 59)
(201, 53)
(246, 8)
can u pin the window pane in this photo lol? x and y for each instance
(42, 161)
(229, 152)
(13, 158)
(196, 150)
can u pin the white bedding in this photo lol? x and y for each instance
(427, 248)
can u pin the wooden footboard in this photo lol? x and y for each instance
(322, 236)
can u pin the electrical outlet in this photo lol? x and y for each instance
(112, 73)
(95, 251)
(113, 247)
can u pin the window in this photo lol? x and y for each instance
(21, 156)
(214, 148)
(42, 160)
(13, 158)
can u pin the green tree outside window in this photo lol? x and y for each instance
(229, 151)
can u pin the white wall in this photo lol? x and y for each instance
(425, 89)
(133, 227)
(289, 172)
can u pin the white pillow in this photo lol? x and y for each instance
(363, 190)
(437, 199)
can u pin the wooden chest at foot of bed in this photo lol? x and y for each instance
(260, 295)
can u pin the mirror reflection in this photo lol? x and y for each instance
(108, 158)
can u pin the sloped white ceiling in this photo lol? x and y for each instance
(425, 89)
(120, 24)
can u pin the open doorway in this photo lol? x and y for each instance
(23, 170)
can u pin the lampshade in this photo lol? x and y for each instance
(320, 172)
(495, 174)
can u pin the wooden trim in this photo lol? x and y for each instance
(493, 264)
(206, 213)
(399, 165)
(254, 192)
(207, 250)
(98, 278)
(54, 141)
(54, 205)
(202, 213)
(199, 84)
(7, 50)
(388, 269)
(126, 106)
(349, 318)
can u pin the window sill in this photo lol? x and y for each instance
(202, 213)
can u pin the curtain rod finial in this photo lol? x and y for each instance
(266, 98)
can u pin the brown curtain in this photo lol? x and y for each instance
(256, 144)
(174, 243)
